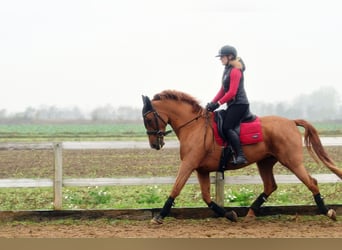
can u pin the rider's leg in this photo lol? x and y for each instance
(234, 140)
(234, 114)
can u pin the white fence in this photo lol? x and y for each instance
(58, 181)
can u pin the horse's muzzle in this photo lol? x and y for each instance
(158, 144)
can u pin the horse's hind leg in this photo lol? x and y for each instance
(265, 168)
(311, 184)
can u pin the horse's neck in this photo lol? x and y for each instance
(178, 114)
(184, 121)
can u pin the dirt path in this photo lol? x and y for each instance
(281, 227)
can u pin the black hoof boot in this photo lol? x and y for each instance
(232, 216)
(157, 220)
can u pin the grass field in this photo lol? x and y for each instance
(113, 131)
(50, 132)
(128, 197)
(128, 163)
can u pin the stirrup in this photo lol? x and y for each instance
(240, 160)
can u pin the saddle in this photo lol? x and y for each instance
(220, 116)
(248, 129)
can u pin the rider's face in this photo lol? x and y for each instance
(224, 60)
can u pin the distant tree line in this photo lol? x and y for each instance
(321, 105)
(106, 113)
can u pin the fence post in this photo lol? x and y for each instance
(219, 187)
(58, 180)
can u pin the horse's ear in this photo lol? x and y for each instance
(147, 103)
(144, 98)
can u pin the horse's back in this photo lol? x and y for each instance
(279, 128)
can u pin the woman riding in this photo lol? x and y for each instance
(232, 93)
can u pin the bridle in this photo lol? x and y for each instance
(160, 133)
(157, 132)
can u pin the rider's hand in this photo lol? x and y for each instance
(211, 106)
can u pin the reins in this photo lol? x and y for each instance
(188, 122)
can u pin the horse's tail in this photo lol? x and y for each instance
(312, 141)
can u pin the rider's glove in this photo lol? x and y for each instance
(211, 106)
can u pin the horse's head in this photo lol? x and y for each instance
(155, 125)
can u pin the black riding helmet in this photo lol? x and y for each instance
(227, 50)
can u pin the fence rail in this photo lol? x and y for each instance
(91, 182)
(58, 182)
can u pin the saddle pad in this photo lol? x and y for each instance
(251, 132)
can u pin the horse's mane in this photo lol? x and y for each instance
(178, 96)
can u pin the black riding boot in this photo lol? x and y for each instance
(234, 140)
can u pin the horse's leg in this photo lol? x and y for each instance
(265, 168)
(183, 175)
(312, 185)
(204, 180)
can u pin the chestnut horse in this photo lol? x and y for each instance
(199, 151)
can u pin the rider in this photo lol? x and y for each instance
(232, 92)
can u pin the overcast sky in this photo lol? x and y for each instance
(92, 53)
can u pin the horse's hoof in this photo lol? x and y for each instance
(332, 214)
(157, 220)
(232, 216)
(249, 218)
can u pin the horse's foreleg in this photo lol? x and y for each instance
(204, 180)
(265, 168)
(158, 219)
(182, 177)
(255, 207)
(220, 211)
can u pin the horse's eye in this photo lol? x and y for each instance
(149, 122)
